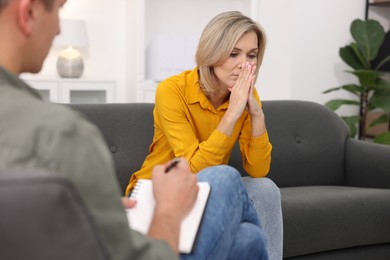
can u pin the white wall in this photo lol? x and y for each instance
(171, 36)
(304, 37)
(106, 24)
(276, 18)
(318, 36)
(301, 58)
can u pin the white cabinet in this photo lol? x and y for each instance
(75, 90)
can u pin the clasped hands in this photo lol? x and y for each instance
(241, 97)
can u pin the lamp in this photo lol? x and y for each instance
(73, 34)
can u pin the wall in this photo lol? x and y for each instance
(301, 59)
(106, 24)
(303, 41)
(274, 80)
(173, 42)
(304, 37)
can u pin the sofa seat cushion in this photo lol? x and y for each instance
(320, 218)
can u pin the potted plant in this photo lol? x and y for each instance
(373, 90)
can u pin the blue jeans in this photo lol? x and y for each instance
(266, 198)
(230, 225)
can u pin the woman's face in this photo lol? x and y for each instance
(245, 50)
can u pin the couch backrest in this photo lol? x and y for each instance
(308, 143)
(128, 131)
(308, 140)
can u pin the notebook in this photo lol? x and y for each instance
(140, 216)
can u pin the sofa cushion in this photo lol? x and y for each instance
(324, 218)
(128, 131)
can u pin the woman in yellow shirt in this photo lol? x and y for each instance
(201, 113)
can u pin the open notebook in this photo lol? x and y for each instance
(140, 216)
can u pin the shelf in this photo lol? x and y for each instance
(380, 4)
(75, 90)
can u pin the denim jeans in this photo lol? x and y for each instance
(266, 198)
(230, 226)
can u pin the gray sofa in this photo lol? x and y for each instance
(335, 190)
(44, 217)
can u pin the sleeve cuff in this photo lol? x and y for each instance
(260, 141)
(220, 140)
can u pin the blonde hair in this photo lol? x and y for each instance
(217, 41)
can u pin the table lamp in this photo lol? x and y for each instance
(73, 35)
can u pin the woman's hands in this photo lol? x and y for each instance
(242, 91)
(242, 98)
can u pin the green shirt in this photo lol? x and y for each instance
(40, 135)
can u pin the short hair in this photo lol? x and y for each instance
(3, 4)
(217, 41)
(47, 3)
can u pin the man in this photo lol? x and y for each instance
(44, 136)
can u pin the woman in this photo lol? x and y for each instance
(200, 114)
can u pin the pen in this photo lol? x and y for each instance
(173, 163)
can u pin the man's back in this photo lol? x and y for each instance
(44, 136)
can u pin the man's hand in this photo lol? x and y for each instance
(175, 193)
(128, 203)
(175, 190)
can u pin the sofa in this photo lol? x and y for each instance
(43, 216)
(335, 189)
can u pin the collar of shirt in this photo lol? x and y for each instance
(195, 94)
(7, 79)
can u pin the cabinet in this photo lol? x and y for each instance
(75, 90)
(378, 5)
(375, 3)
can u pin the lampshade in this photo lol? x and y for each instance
(73, 35)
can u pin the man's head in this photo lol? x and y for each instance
(27, 29)
(48, 3)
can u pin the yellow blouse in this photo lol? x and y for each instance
(185, 125)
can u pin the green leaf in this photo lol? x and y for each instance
(367, 77)
(331, 89)
(352, 122)
(381, 101)
(369, 36)
(354, 89)
(349, 56)
(383, 62)
(380, 120)
(336, 103)
(366, 63)
(383, 138)
(381, 95)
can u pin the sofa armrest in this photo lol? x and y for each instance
(44, 217)
(367, 164)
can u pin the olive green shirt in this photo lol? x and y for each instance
(38, 135)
